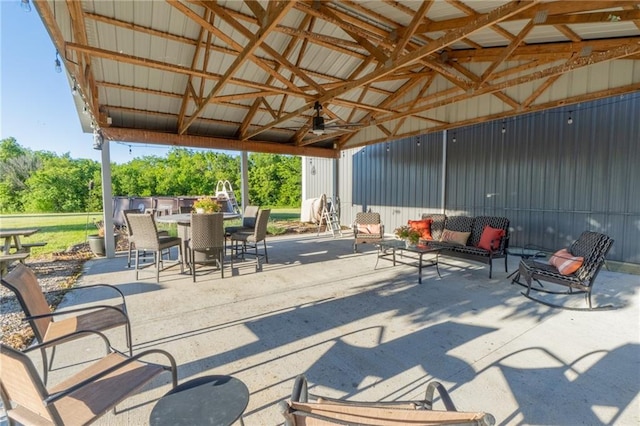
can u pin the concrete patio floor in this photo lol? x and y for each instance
(374, 334)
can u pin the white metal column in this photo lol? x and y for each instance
(244, 170)
(107, 200)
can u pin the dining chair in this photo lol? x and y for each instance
(248, 221)
(206, 241)
(129, 234)
(251, 239)
(61, 326)
(79, 399)
(145, 237)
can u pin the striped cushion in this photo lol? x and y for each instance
(566, 263)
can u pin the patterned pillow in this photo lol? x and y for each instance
(455, 237)
(491, 235)
(369, 229)
(423, 227)
(566, 263)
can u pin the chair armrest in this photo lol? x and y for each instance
(299, 392)
(101, 285)
(444, 396)
(70, 311)
(70, 336)
(174, 374)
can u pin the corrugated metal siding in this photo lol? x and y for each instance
(553, 180)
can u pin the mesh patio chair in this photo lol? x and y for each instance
(146, 238)
(367, 228)
(251, 239)
(80, 399)
(304, 409)
(49, 326)
(207, 240)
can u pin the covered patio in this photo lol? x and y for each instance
(375, 334)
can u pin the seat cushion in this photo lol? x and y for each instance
(373, 229)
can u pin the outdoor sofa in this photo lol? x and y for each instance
(480, 239)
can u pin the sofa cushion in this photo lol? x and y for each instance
(437, 224)
(565, 262)
(490, 238)
(455, 237)
(423, 227)
(479, 224)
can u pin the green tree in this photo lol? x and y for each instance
(16, 165)
(61, 185)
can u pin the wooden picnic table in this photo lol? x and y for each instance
(12, 241)
(15, 235)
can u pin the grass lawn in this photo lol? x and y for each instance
(58, 230)
(62, 230)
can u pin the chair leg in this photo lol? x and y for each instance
(45, 365)
(266, 255)
(129, 255)
(221, 262)
(158, 263)
(192, 264)
(137, 262)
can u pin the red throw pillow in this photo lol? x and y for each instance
(490, 235)
(566, 263)
(423, 227)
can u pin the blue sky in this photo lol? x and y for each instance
(36, 104)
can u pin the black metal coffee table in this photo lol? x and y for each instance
(207, 400)
(524, 253)
(387, 250)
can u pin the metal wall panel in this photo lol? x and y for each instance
(552, 179)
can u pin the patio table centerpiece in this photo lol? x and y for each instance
(206, 205)
(408, 234)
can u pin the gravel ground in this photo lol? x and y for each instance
(59, 271)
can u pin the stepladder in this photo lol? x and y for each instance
(331, 219)
(226, 197)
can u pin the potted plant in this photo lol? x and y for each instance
(408, 234)
(206, 205)
(96, 241)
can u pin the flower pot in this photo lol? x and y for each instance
(97, 246)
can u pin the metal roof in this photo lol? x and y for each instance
(244, 75)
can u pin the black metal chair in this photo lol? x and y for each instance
(593, 247)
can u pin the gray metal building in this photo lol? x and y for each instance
(553, 173)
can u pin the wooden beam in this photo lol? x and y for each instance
(191, 141)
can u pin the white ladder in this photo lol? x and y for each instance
(224, 192)
(331, 220)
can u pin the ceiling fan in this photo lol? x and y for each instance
(318, 125)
